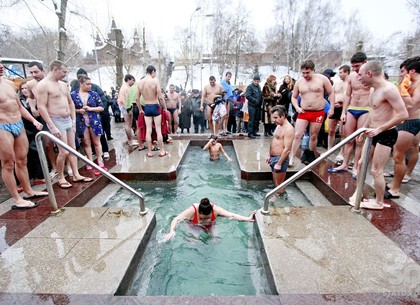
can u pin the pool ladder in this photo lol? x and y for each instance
(44, 165)
(361, 176)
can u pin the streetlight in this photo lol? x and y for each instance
(201, 55)
(191, 47)
(94, 42)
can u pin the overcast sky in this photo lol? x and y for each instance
(162, 18)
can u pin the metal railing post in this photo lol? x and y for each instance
(44, 165)
(361, 176)
(45, 171)
(326, 154)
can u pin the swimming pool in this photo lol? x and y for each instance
(226, 264)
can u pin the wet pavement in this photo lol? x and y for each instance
(316, 255)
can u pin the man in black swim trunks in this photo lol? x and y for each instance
(409, 88)
(387, 109)
(278, 157)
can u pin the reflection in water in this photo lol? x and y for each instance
(223, 262)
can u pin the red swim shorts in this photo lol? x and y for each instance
(312, 116)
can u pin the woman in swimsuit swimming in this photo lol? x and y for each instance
(204, 215)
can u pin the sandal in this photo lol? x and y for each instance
(64, 185)
(84, 179)
(163, 153)
(149, 155)
(406, 179)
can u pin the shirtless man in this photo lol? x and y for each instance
(409, 129)
(127, 110)
(37, 71)
(387, 109)
(57, 109)
(339, 88)
(311, 88)
(14, 145)
(173, 104)
(215, 148)
(355, 113)
(149, 88)
(280, 147)
(210, 92)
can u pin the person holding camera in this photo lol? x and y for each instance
(210, 92)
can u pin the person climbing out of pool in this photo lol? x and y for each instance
(215, 148)
(204, 215)
(278, 157)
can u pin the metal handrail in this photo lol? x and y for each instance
(44, 165)
(326, 154)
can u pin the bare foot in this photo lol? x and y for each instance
(34, 194)
(23, 204)
(352, 200)
(371, 204)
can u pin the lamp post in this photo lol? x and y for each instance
(201, 55)
(92, 25)
(191, 47)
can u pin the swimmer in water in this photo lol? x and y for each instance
(204, 214)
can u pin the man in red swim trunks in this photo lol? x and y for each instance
(311, 88)
(204, 215)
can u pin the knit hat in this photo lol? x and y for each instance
(256, 77)
(81, 71)
(329, 73)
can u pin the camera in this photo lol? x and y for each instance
(218, 100)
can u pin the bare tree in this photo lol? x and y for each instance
(355, 36)
(61, 12)
(233, 36)
(305, 29)
(34, 43)
(183, 55)
(414, 5)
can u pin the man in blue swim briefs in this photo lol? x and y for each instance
(149, 88)
(280, 147)
(204, 215)
(355, 112)
(14, 145)
(387, 109)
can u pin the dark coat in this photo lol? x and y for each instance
(254, 95)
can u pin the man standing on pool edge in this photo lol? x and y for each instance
(387, 109)
(149, 88)
(204, 215)
(278, 159)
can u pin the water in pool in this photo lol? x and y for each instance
(195, 264)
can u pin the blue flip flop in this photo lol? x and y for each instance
(336, 171)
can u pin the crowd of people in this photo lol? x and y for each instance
(313, 108)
